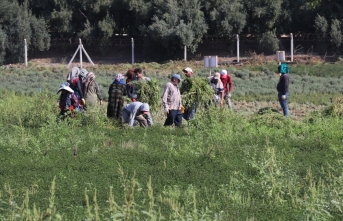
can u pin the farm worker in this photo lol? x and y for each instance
(91, 90)
(75, 77)
(68, 100)
(227, 83)
(116, 95)
(218, 89)
(137, 111)
(189, 113)
(171, 101)
(282, 89)
(138, 75)
(130, 74)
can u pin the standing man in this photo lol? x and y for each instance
(190, 112)
(282, 87)
(226, 80)
(171, 101)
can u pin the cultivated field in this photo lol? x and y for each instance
(245, 164)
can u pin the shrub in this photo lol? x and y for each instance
(268, 42)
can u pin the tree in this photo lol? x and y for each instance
(262, 15)
(17, 23)
(176, 23)
(321, 25)
(229, 16)
(336, 33)
(268, 42)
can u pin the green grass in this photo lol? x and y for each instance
(221, 166)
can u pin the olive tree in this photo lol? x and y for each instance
(176, 23)
(17, 23)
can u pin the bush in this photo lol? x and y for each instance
(269, 43)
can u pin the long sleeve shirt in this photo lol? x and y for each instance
(282, 86)
(134, 110)
(227, 80)
(171, 98)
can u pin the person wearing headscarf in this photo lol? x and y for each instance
(116, 95)
(137, 111)
(282, 88)
(68, 102)
(91, 90)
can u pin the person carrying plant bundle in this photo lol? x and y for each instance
(188, 113)
(138, 76)
(116, 94)
(68, 102)
(282, 87)
(137, 111)
(91, 90)
(218, 88)
(171, 101)
(226, 80)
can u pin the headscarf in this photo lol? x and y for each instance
(90, 78)
(130, 75)
(119, 79)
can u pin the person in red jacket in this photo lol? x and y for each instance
(227, 82)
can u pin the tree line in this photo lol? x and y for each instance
(166, 25)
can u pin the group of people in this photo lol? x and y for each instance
(133, 112)
(221, 84)
(81, 90)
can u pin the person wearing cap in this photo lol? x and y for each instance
(137, 111)
(91, 90)
(67, 100)
(227, 83)
(283, 93)
(218, 88)
(188, 72)
(171, 101)
(189, 113)
(116, 94)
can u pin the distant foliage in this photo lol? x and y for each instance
(336, 33)
(321, 25)
(17, 23)
(268, 42)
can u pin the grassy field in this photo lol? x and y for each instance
(223, 165)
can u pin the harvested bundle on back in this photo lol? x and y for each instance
(148, 92)
(195, 91)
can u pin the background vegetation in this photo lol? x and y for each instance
(166, 26)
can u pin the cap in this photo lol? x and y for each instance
(223, 72)
(187, 70)
(145, 108)
(177, 76)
